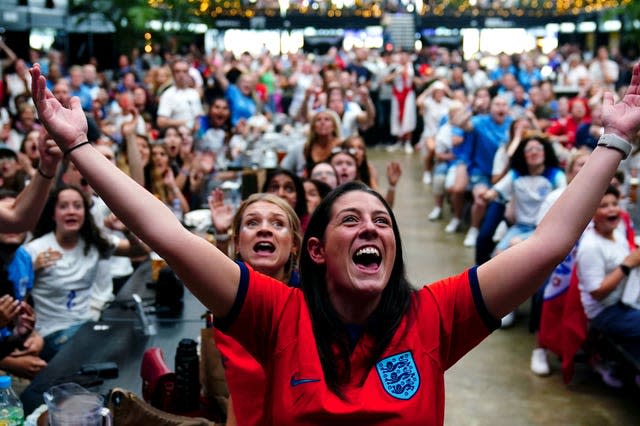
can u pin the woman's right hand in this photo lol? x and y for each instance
(67, 126)
(221, 213)
(46, 259)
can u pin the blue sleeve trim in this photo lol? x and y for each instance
(225, 323)
(489, 321)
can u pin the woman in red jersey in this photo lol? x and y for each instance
(354, 345)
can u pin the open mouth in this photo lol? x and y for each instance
(367, 258)
(264, 247)
(613, 218)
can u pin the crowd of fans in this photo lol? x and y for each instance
(180, 123)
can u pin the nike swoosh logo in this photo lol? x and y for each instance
(295, 382)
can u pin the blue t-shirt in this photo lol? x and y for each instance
(241, 106)
(488, 136)
(20, 272)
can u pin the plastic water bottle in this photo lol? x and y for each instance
(176, 208)
(11, 412)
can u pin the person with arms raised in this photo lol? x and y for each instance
(355, 345)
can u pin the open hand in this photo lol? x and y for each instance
(68, 127)
(394, 171)
(623, 118)
(221, 213)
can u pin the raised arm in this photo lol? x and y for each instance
(209, 274)
(25, 211)
(512, 276)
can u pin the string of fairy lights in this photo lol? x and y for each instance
(376, 8)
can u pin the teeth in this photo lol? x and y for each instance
(368, 250)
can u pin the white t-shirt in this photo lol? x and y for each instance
(63, 293)
(433, 113)
(597, 257)
(120, 266)
(350, 119)
(180, 104)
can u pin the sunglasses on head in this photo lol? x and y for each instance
(338, 150)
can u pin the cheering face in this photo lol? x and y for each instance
(219, 113)
(265, 240)
(312, 196)
(160, 158)
(345, 166)
(69, 212)
(607, 215)
(358, 248)
(534, 153)
(31, 145)
(284, 187)
(324, 172)
(173, 140)
(323, 124)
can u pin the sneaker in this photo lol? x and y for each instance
(500, 232)
(435, 214)
(608, 377)
(426, 178)
(539, 364)
(452, 226)
(508, 320)
(471, 237)
(408, 148)
(393, 148)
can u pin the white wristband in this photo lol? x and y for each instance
(611, 141)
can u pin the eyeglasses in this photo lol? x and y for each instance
(321, 173)
(350, 151)
(534, 148)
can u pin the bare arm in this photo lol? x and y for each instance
(208, 273)
(136, 170)
(25, 211)
(527, 264)
(368, 116)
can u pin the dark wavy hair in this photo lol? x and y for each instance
(89, 231)
(518, 162)
(328, 329)
(301, 202)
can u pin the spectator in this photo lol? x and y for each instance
(603, 70)
(489, 131)
(179, 104)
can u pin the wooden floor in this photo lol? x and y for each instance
(493, 385)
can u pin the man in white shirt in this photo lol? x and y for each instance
(180, 105)
(603, 70)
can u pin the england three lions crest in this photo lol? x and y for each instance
(399, 375)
